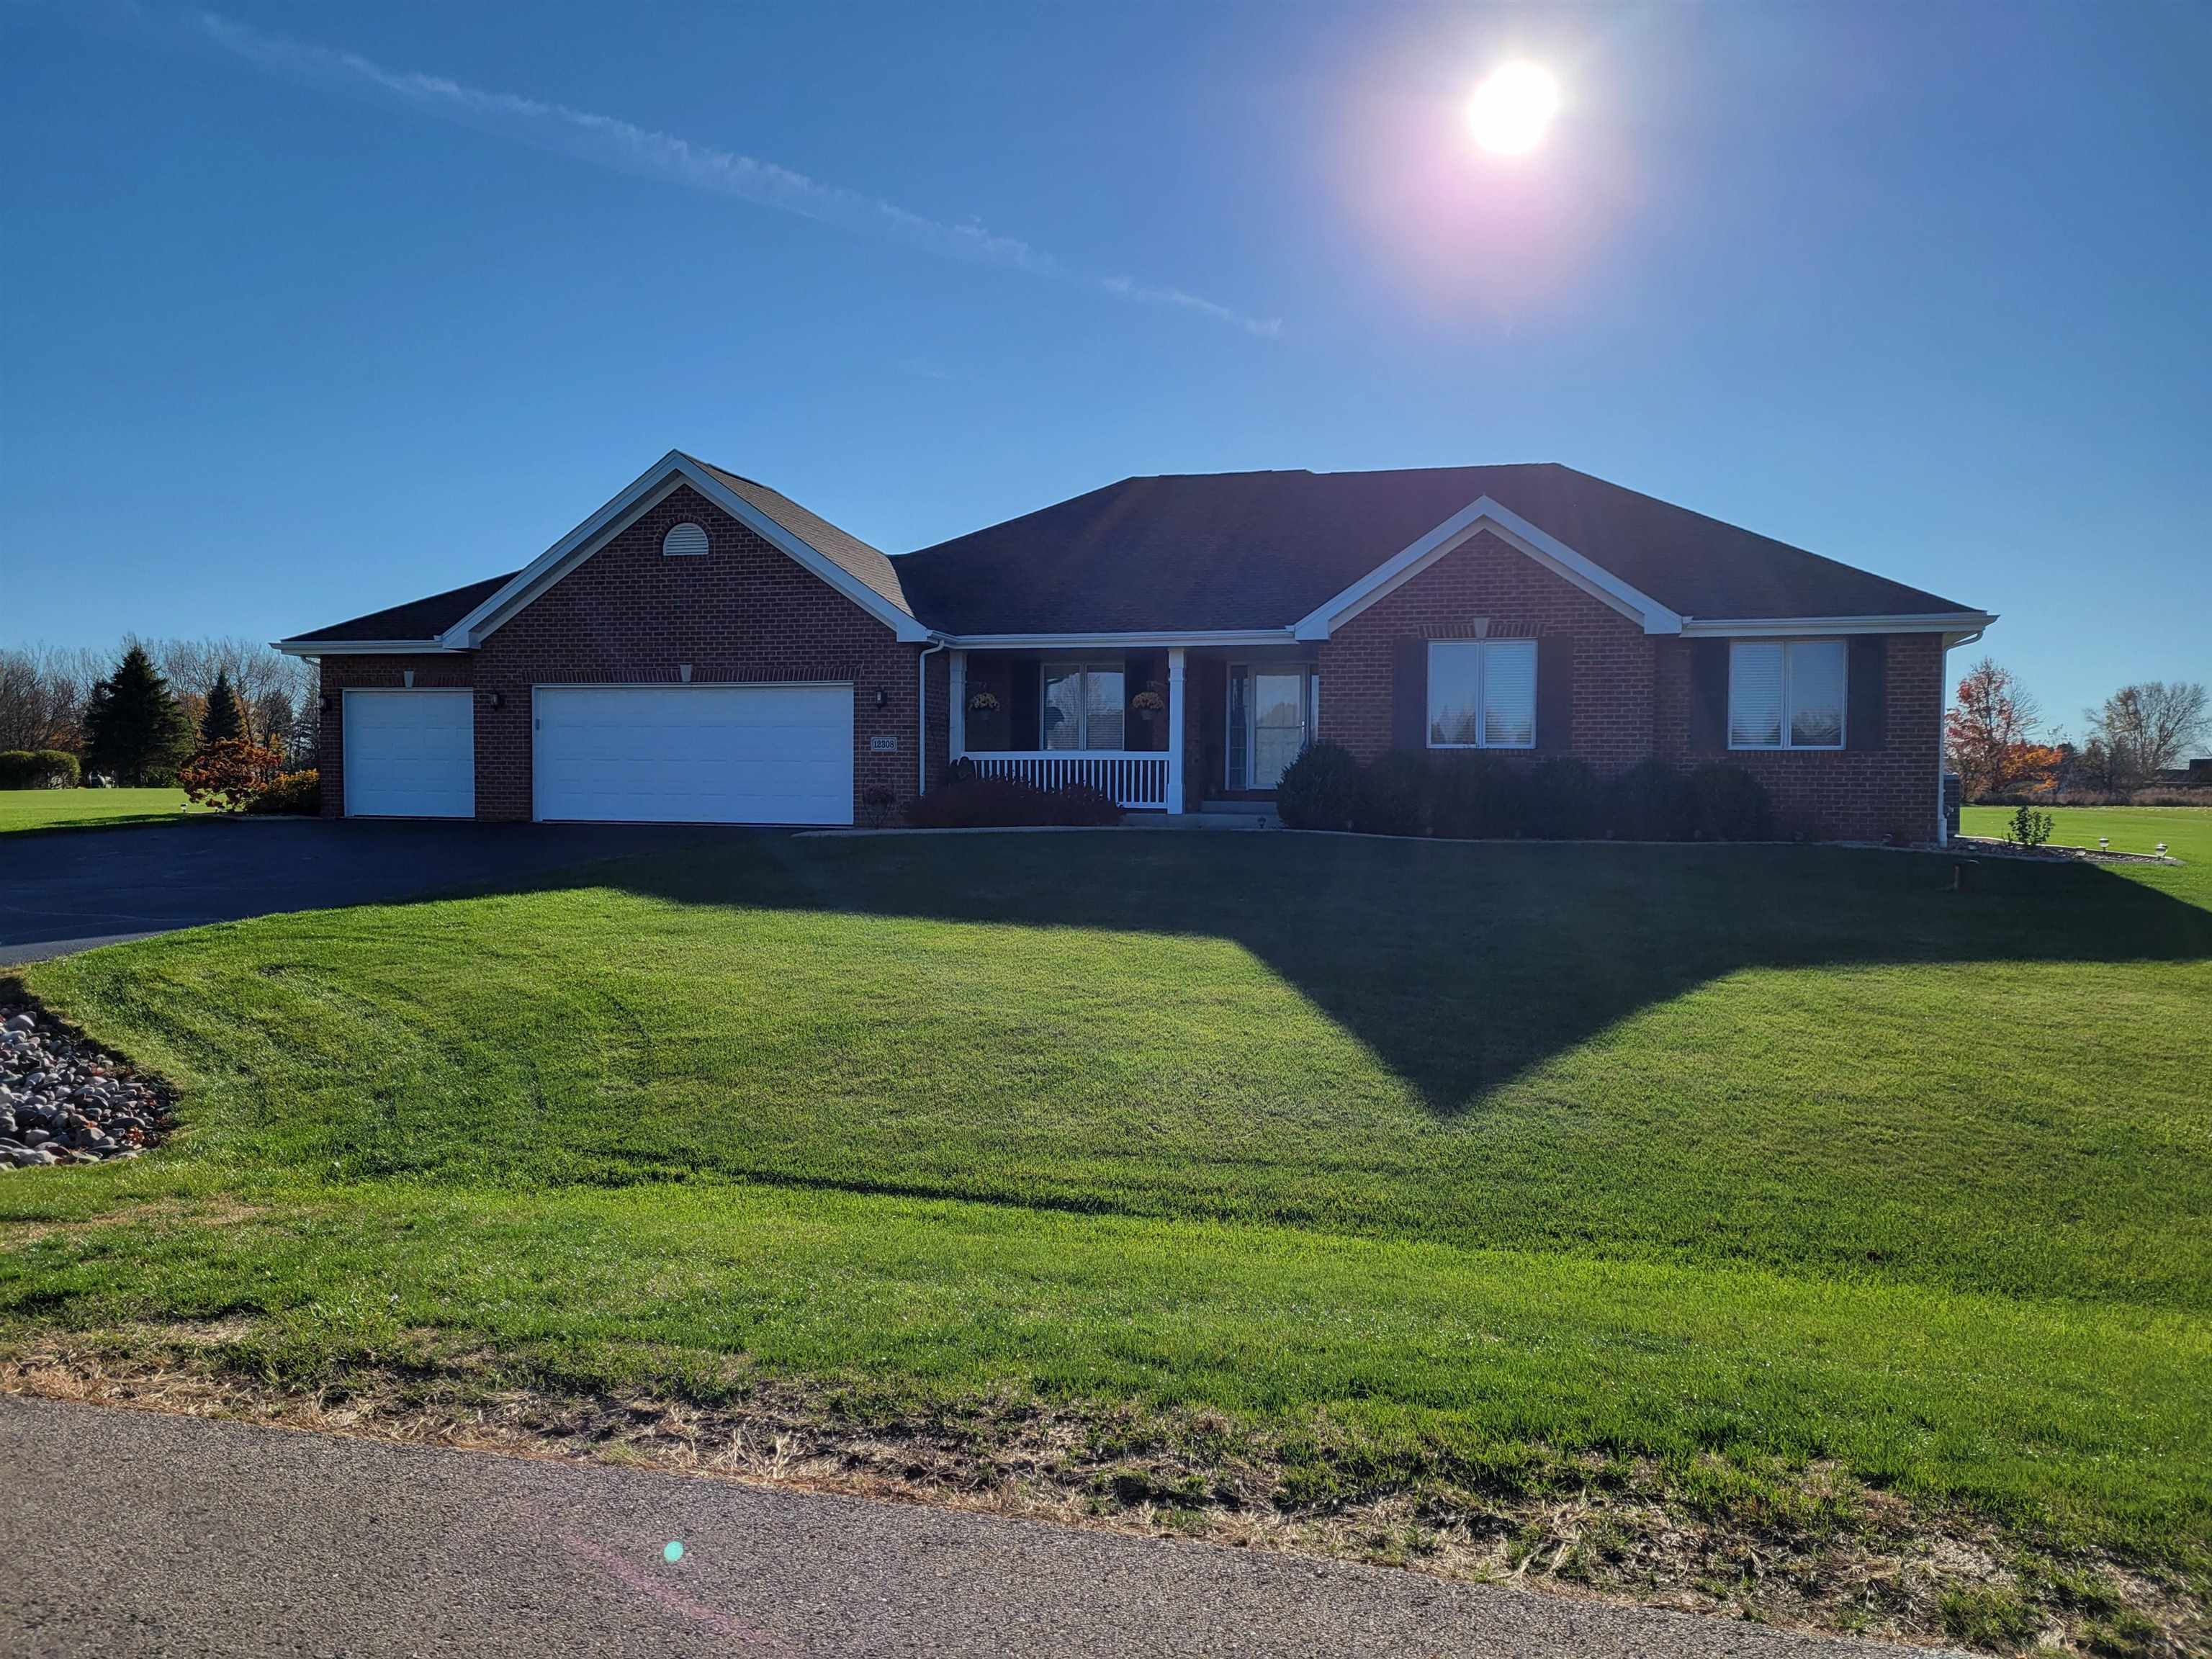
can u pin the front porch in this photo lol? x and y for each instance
(1159, 730)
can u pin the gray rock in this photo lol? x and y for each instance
(20, 1022)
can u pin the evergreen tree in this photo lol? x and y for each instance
(226, 716)
(133, 726)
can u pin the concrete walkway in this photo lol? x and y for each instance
(127, 1533)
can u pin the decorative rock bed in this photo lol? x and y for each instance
(63, 1101)
(2054, 854)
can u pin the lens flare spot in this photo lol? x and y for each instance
(673, 1552)
(1511, 109)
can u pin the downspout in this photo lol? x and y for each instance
(1951, 643)
(937, 643)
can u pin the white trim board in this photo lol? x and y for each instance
(1486, 513)
(1946, 622)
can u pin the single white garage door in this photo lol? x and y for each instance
(410, 755)
(695, 754)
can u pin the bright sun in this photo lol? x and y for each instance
(1511, 109)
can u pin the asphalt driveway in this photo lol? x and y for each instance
(129, 1532)
(73, 890)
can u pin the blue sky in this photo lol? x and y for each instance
(310, 309)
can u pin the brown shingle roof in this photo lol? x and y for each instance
(1262, 549)
(840, 547)
(417, 619)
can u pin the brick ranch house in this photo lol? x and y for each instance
(704, 649)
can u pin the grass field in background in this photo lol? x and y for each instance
(1775, 1154)
(2186, 830)
(75, 809)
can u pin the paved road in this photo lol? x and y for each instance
(71, 890)
(127, 1533)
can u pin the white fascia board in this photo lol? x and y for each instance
(1486, 513)
(1948, 622)
(641, 495)
(1137, 637)
(364, 648)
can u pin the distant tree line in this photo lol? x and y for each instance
(138, 714)
(2142, 734)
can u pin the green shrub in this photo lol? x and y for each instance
(1476, 797)
(967, 801)
(2028, 827)
(1395, 801)
(1728, 803)
(1650, 801)
(1567, 801)
(289, 792)
(38, 769)
(1321, 789)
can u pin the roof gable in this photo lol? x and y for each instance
(861, 572)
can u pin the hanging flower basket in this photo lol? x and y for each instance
(1149, 703)
(983, 702)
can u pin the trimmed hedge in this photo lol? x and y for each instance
(289, 792)
(38, 769)
(1470, 795)
(966, 801)
(1323, 789)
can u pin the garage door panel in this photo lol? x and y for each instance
(703, 754)
(409, 754)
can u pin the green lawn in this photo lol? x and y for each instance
(2186, 830)
(1440, 1153)
(73, 809)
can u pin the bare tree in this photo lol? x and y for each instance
(42, 696)
(2144, 729)
(258, 675)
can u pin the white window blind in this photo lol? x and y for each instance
(1508, 694)
(1755, 695)
(1787, 694)
(1482, 694)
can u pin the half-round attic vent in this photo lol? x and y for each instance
(686, 541)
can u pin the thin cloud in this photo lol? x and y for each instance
(608, 141)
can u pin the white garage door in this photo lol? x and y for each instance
(410, 755)
(695, 754)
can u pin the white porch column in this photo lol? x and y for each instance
(956, 714)
(1174, 728)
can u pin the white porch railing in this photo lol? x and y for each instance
(1134, 779)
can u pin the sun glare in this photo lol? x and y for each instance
(1511, 109)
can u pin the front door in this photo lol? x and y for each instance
(1270, 722)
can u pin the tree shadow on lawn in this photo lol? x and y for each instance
(1460, 967)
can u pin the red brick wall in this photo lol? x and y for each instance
(1858, 794)
(629, 615)
(1485, 578)
(1633, 693)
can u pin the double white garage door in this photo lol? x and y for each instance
(615, 754)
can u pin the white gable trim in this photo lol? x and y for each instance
(1517, 532)
(1934, 621)
(645, 491)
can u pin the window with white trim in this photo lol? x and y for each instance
(1082, 707)
(1482, 694)
(1787, 694)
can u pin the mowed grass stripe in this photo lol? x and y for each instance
(1796, 1152)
